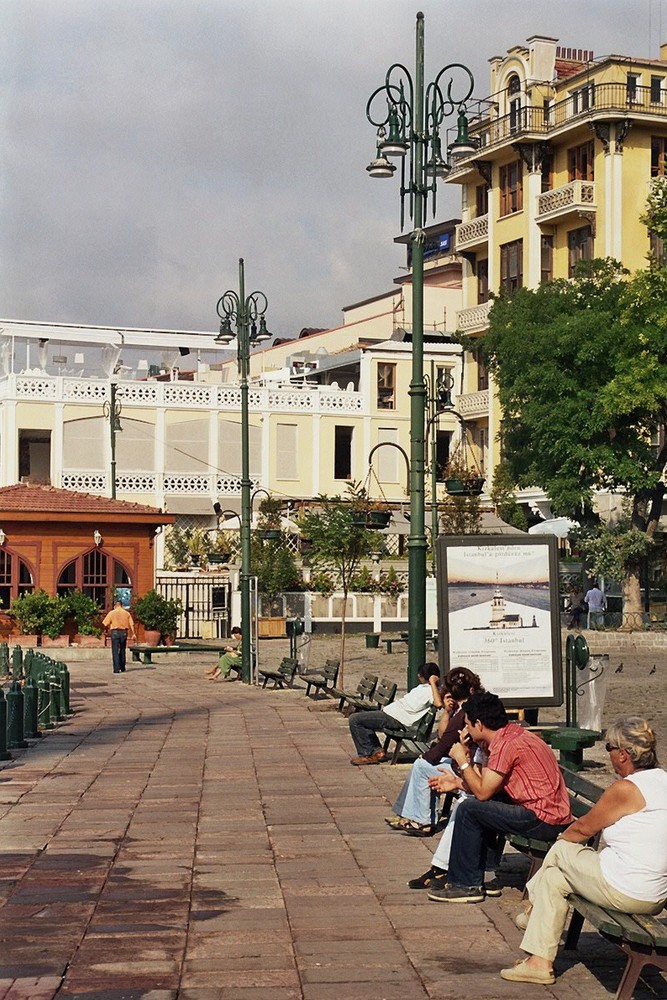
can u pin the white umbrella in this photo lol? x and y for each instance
(558, 526)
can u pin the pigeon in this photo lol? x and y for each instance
(652, 670)
(619, 669)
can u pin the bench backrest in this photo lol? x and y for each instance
(367, 685)
(385, 692)
(425, 725)
(288, 667)
(583, 794)
(330, 672)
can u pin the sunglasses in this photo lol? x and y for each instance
(612, 746)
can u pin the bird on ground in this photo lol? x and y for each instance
(652, 670)
(619, 669)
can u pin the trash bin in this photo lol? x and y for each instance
(372, 640)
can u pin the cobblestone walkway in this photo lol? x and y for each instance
(178, 838)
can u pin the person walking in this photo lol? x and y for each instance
(119, 625)
(597, 605)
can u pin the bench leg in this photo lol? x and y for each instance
(147, 658)
(573, 931)
(634, 967)
(136, 656)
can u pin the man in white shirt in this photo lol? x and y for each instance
(404, 711)
(596, 604)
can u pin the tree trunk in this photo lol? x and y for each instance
(341, 670)
(632, 599)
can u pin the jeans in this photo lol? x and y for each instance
(118, 643)
(416, 801)
(362, 730)
(475, 833)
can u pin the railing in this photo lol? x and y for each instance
(474, 318)
(604, 98)
(473, 404)
(183, 483)
(473, 232)
(180, 395)
(572, 196)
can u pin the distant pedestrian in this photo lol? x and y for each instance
(230, 659)
(119, 625)
(597, 605)
(576, 606)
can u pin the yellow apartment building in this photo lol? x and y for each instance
(567, 146)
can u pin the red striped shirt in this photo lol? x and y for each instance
(530, 770)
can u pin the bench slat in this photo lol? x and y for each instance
(612, 922)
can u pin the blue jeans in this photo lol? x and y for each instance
(416, 800)
(118, 644)
(362, 730)
(476, 832)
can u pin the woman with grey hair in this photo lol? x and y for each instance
(630, 872)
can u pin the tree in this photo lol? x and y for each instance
(339, 541)
(581, 369)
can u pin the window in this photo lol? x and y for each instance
(583, 98)
(442, 442)
(579, 247)
(482, 375)
(15, 578)
(481, 200)
(580, 162)
(546, 171)
(657, 248)
(483, 280)
(386, 386)
(511, 188)
(514, 98)
(35, 456)
(343, 452)
(546, 259)
(511, 266)
(631, 87)
(658, 147)
(656, 89)
(547, 111)
(95, 574)
(287, 449)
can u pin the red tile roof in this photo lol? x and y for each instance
(33, 498)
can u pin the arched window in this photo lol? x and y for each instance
(514, 101)
(15, 578)
(96, 574)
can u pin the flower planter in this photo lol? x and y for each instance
(378, 519)
(25, 641)
(59, 641)
(465, 487)
(151, 637)
(270, 534)
(89, 641)
(271, 628)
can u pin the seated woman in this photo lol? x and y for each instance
(403, 712)
(228, 660)
(629, 874)
(416, 804)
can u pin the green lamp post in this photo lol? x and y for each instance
(408, 117)
(244, 311)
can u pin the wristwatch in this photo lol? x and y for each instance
(462, 767)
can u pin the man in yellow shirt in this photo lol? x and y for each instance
(119, 624)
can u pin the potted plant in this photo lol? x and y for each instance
(270, 519)
(368, 513)
(86, 616)
(462, 479)
(158, 615)
(40, 615)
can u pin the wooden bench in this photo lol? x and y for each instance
(583, 794)
(365, 690)
(283, 675)
(643, 939)
(415, 738)
(392, 640)
(144, 654)
(326, 681)
(384, 693)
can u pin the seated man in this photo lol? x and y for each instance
(520, 790)
(404, 711)
(416, 804)
(228, 660)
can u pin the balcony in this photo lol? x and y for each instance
(568, 200)
(472, 235)
(473, 319)
(473, 405)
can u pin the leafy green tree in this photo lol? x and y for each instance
(581, 369)
(339, 541)
(504, 499)
(275, 567)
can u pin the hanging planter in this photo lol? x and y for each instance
(472, 486)
(269, 534)
(378, 519)
(463, 477)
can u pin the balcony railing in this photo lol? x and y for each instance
(577, 196)
(605, 99)
(473, 233)
(472, 405)
(152, 483)
(474, 318)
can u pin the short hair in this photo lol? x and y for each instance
(634, 735)
(486, 708)
(236, 630)
(428, 670)
(459, 681)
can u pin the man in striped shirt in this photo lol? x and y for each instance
(519, 790)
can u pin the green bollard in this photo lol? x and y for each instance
(30, 724)
(44, 703)
(4, 659)
(28, 663)
(4, 753)
(15, 740)
(65, 681)
(57, 714)
(17, 661)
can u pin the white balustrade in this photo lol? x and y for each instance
(473, 404)
(572, 196)
(472, 233)
(474, 318)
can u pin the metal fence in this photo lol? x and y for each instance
(205, 598)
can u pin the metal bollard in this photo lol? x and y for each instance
(28, 663)
(17, 661)
(44, 703)
(57, 714)
(4, 752)
(4, 659)
(63, 670)
(30, 718)
(15, 740)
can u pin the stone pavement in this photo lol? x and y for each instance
(177, 838)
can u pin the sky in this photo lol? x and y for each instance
(146, 145)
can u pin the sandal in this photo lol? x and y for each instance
(397, 822)
(412, 829)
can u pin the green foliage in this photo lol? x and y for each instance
(39, 614)
(504, 500)
(461, 515)
(655, 216)
(275, 567)
(338, 541)
(157, 613)
(390, 584)
(612, 550)
(364, 582)
(323, 582)
(183, 543)
(85, 613)
(270, 513)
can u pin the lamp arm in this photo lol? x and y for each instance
(393, 444)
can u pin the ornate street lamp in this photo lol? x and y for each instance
(409, 118)
(243, 312)
(111, 409)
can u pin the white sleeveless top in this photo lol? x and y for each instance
(634, 860)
